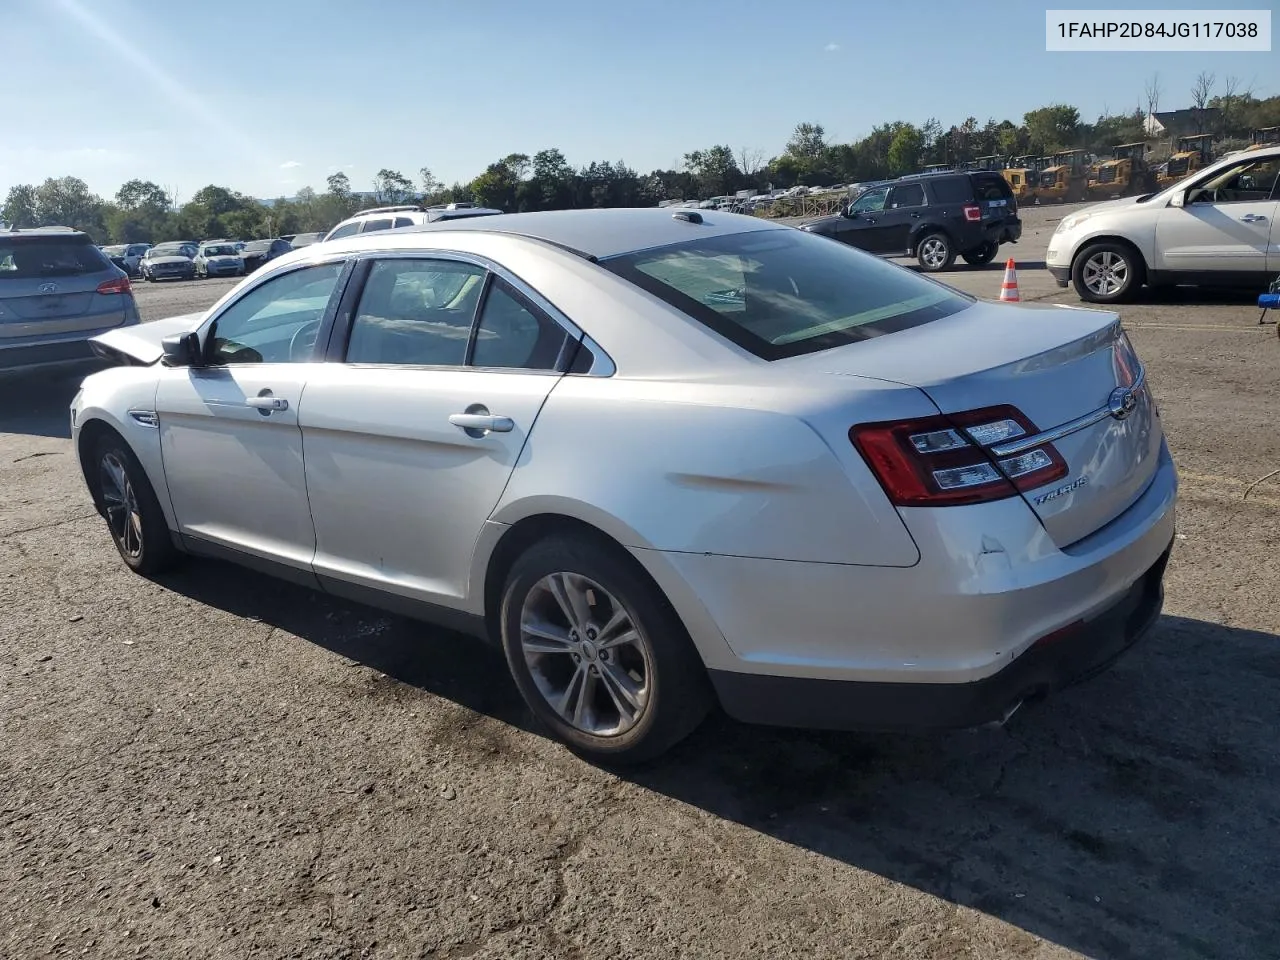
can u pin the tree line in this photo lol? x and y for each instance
(142, 212)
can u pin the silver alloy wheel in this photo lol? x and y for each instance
(123, 516)
(1105, 273)
(933, 252)
(585, 654)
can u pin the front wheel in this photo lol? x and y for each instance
(131, 509)
(935, 253)
(1106, 273)
(982, 255)
(598, 654)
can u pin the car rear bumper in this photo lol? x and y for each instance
(1004, 231)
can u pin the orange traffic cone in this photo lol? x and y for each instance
(1009, 289)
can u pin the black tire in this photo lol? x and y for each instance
(983, 255)
(1094, 285)
(675, 690)
(932, 257)
(145, 546)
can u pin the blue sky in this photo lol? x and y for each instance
(271, 95)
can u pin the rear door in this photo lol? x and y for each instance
(49, 287)
(411, 438)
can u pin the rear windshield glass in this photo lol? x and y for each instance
(168, 250)
(780, 293)
(991, 186)
(257, 246)
(220, 250)
(35, 257)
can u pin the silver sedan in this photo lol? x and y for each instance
(667, 459)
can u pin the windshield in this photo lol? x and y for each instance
(38, 257)
(116, 251)
(219, 250)
(167, 250)
(780, 293)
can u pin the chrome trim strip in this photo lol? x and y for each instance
(1015, 447)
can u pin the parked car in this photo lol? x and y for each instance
(392, 218)
(1216, 227)
(56, 291)
(919, 510)
(255, 253)
(932, 217)
(219, 259)
(305, 240)
(170, 261)
(131, 255)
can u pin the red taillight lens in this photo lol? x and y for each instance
(972, 212)
(118, 285)
(948, 460)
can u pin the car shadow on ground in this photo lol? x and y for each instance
(1133, 816)
(37, 403)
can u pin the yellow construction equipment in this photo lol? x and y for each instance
(1125, 174)
(1066, 178)
(1194, 153)
(1023, 175)
(1265, 137)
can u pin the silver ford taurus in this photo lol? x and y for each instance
(668, 460)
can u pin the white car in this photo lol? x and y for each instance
(666, 458)
(1217, 227)
(393, 218)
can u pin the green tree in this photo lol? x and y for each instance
(551, 185)
(497, 187)
(392, 187)
(715, 170)
(67, 201)
(20, 206)
(142, 195)
(1052, 128)
(904, 150)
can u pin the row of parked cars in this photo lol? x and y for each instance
(191, 260)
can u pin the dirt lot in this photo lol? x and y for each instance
(220, 765)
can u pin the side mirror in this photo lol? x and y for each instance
(182, 350)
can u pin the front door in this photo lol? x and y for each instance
(411, 440)
(229, 430)
(859, 228)
(1226, 223)
(901, 216)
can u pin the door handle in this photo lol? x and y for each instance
(267, 403)
(482, 422)
(1253, 218)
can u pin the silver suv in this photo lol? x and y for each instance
(56, 291)
(391, 218)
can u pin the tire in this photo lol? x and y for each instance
(982, 255)
(128, 503)
(934, 252)
(1107, 273)
(624, 702)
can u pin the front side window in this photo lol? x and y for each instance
(1247, 182)
(276, 321)
(513, 334)
(416, 312)
(780, 293)
(870, 201)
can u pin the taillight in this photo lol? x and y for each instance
(118, 285)
(948, 460)
(972, 212)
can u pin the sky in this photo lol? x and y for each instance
(268, 96)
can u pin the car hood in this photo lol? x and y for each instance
(822, 224)
(1109, 206)
(222, 256)
(168, 261)
(141, 344)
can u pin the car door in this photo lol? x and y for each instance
(1226, 223)
(229, 432)
(903, 209)
(858, 226)
(412, 435)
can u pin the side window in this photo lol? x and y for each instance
(403, 222)
(346, 230)
(907, 195)
(1245, 183)
(371, 225)
(951, 190)
(416, 312)
(870, 201)
(275, 322)
(513, 333)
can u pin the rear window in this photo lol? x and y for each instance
(951, 189)
(781, 293)
(991, 186)
(34, 258)
(257, 246)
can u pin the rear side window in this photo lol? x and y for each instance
(951, 190)
(780, 293)
(403, 222)
(45, 257)
(990, 186)
(907, 195)
(371, 225)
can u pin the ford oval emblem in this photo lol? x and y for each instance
(1122, 402)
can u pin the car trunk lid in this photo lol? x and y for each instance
(1068, 370)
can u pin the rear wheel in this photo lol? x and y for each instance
(597, 652)
(934, 252)
(982, 255)
(1106, 273)
(131, 509)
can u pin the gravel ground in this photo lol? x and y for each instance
(221, 765)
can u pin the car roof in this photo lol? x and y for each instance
(43, 232)
(600, 234)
